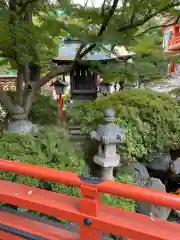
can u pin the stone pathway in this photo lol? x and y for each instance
(169, 85)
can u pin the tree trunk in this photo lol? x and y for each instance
(139, 83)
(18, 122)
(121, 86)
(19, 87)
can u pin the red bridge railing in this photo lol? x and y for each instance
(92, 217)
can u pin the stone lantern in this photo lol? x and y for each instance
(60, 88)
(108, 135)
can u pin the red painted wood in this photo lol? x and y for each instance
(174, 46)
(110, 187)
(7, 236)
(34, 227)
(175, 41)
(89, 205)
(40, 172)
(166, 27)
(117, 221)
(89, 233)
(61, 107)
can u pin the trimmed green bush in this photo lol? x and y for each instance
(151, 120)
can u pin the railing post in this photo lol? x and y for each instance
(89, 206)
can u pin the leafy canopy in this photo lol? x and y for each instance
(38, 40)
(30, 32)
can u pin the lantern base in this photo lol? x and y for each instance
(112, 161)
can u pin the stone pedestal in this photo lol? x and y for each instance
(107, 135)
(107, 173)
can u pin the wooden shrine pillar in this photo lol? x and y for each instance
(175, 33)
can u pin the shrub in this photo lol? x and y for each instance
(66, 97)
(175, 92)
(150, 119)
(49, 147)
(45, 110)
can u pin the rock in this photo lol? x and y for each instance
(150, 209)
(20, 126)
(159, 162)
(34, 129)
(140, 175)
(175, 166)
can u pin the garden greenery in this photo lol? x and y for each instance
(151, 120)
(50, 147)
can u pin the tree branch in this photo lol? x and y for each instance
(148, 17)
(28, 99)
(158, 26)
(52, 74)
(66, 69)
(103, 27)
(103, 8)
(3, 2)
(25, 5)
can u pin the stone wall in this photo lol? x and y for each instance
(47, 90)
(7, 84)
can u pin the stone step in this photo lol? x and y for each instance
(74, 127)
(77, 138)
(75, 132)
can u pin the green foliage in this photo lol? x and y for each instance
(175, 92)
(50, 147)
(30, 33)
(124, 203)
(6, 67)
(38, 42)
(45, 110)
(66, 97)
(150, 119)
(150, 62)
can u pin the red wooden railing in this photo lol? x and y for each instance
(93, 217)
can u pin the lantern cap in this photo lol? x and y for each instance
(109, 132)
(59, 82)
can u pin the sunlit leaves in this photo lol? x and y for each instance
(38, 42)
